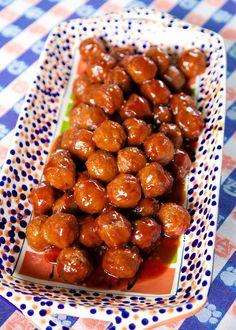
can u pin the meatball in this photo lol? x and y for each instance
(155, 181)
(65, 204)
(192, 62)
(147, 207)
(119, 77)
(174, 218)
(86, 116)
(99, 66)
(124, 191)
(60, 170)
(110, 136)
(109, 97)
(89, 236)
(159, 147)
(34, 233)
(74, 265)
(146, 233)
(122, 263)
(136, 106)
(114, 229)
(162, 114)
(80, 84)
(140, 68)
(120, 52)
(137, 131)
(42, 199)
(61, 229)
(161, 58)
(102, 165)
(155, 91)
(79, 142)
(90, 195)
(181, 101)
(174, 78)
(91, 47)
(130, 160)
(173, 132)
(181, 164)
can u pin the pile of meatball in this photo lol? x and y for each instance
(105, 181)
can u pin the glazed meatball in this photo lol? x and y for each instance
(79, 142)
(155, 181)
(61, 229)
(42, 199)
(130, 160)
(80, 84)
(89, 236)
(174, 218)
(159, 147)
(192, 62)
(161, 58)
(34, 233)
(74, 265)
(119, 77)
(110, 136)
(102, 165)
(89, 195)
(124, 191)
(174, 78)
(86, 116)
(99, 66)
(90, 48)
(146, 233)
(136, 106)
(137, 131)
(65, 204)
(181, 164)
(180, 101)
(60, 170)
(162, 114)
(114, 229)
(120, 52)
(147, 207)
(155, 91)
(109, 97)
(122, 263)
(140, 68)
(173, 132)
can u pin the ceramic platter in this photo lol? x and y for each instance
(182, 288)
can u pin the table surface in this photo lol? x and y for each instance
(18, 58)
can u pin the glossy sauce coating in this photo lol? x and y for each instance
(79, 142)
(90, 48)
(147, 207)
(124, 191)
(162, 114)
(159, 147)
(86, 116)
(114, 229)
(130, 160)
(173, 132)
(99, 66)
(137, 131)
(155, 91)
(122, 263)
(192, 62)
(80, 84)
(34, 233)
(110, 136)
(42, 198)
(161, 58)
(59, 171)
(174, 218)
(140, 68)
(119, 76)
(155, 181)
(89, 195)
(89, 233)
(65, 204)
(74, 265)
(181, 164)
(174, 78)
(135, 107)
(61, 229)
(102, 165)
(146, 234)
